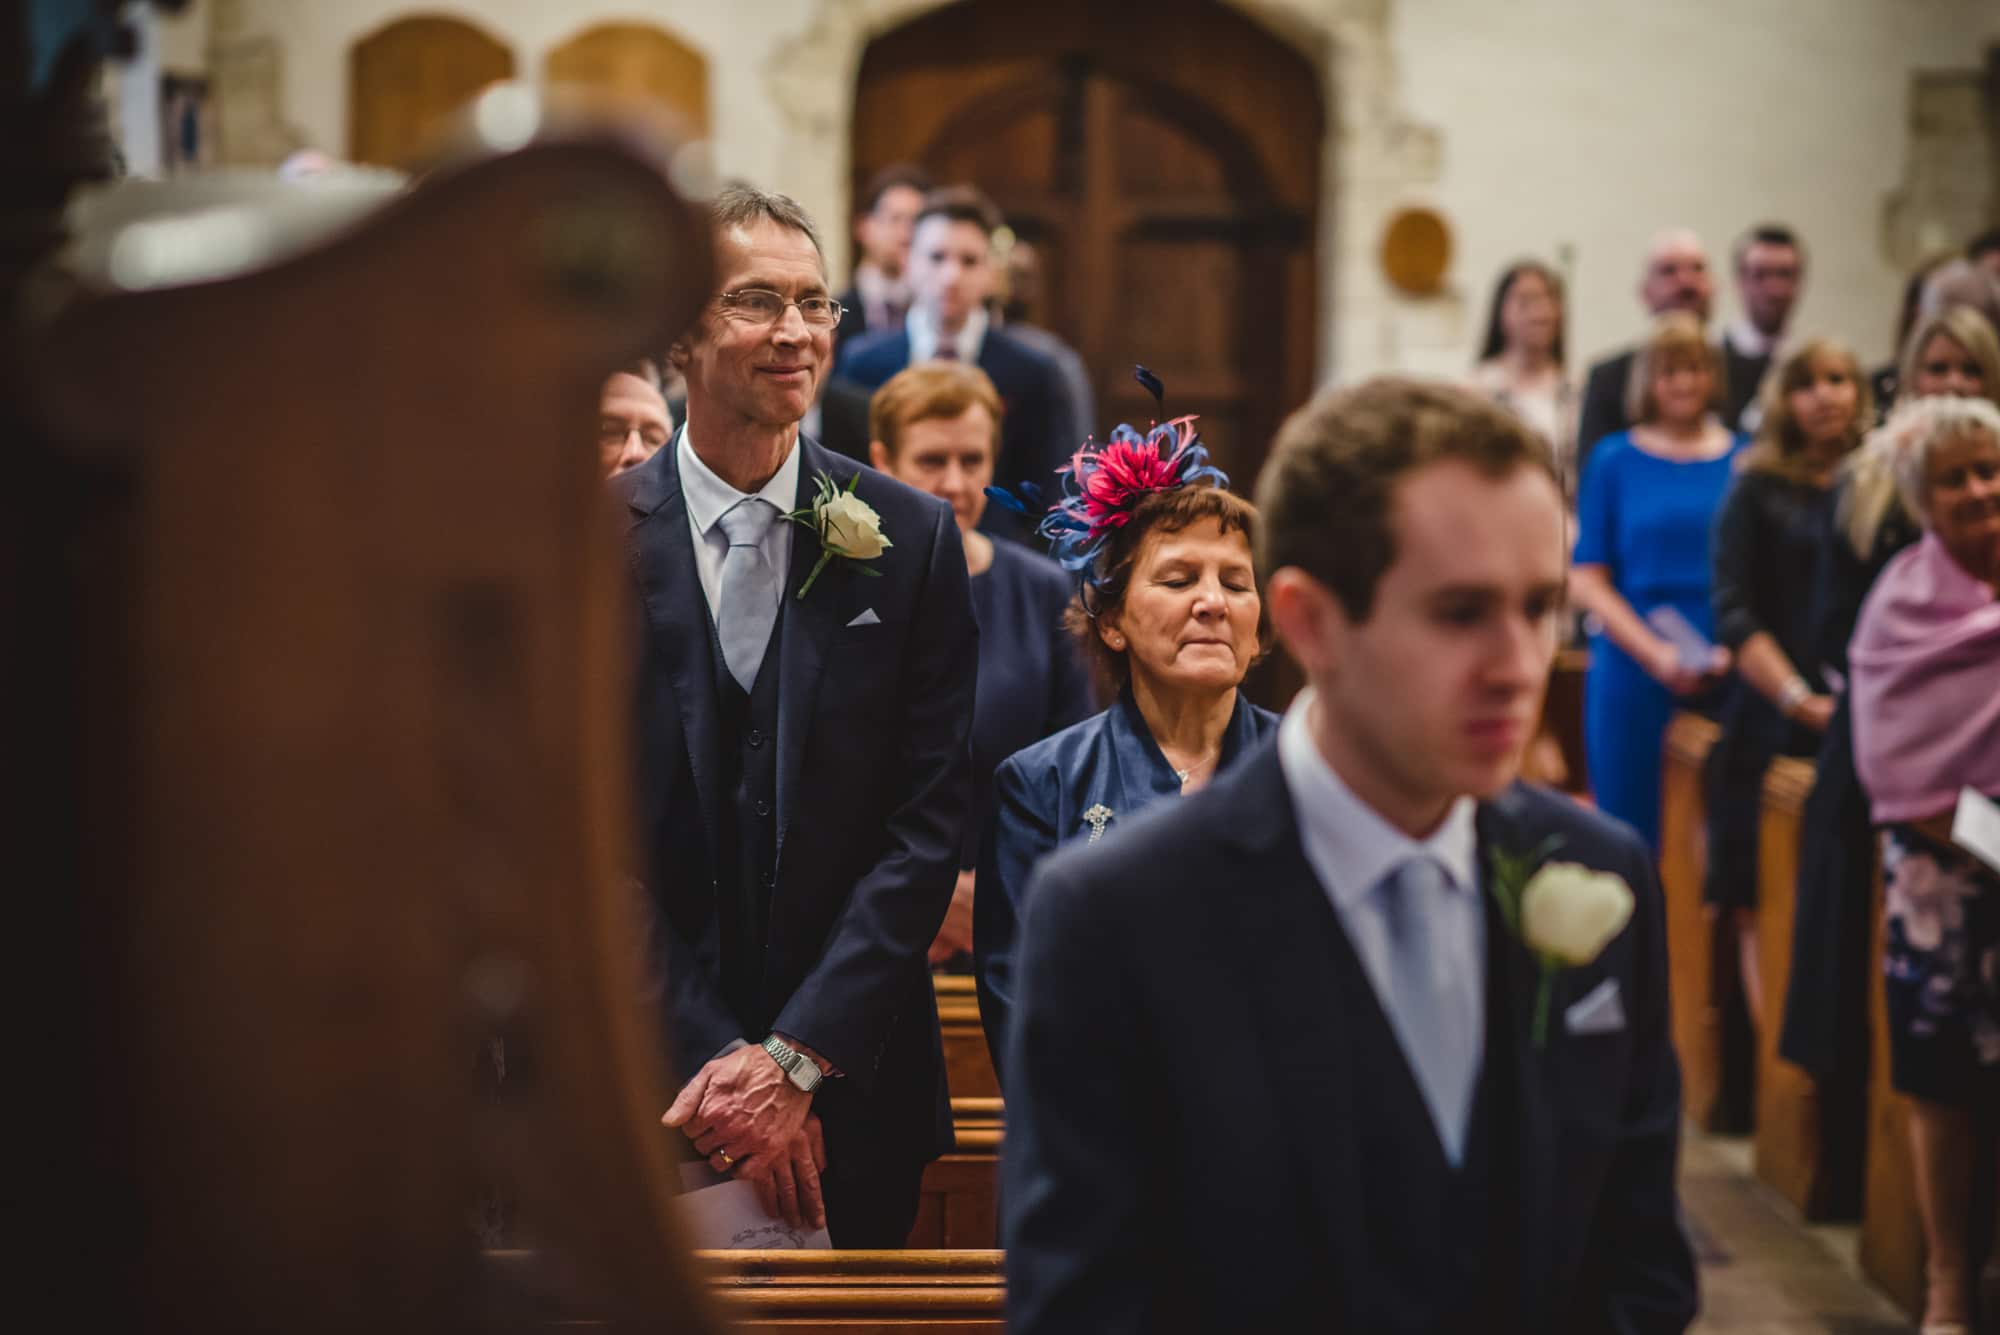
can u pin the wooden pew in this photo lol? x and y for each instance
(1790, 1149)
(856, 1293)
(968, 1067)
(1691, 936)
(1562, 716)
(1892, 1235)
(960, 1203)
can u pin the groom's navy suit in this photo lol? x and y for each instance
(801, 839)
(1211, 1125)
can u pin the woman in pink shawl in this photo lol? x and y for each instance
(1925, 665)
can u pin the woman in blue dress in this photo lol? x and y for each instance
(936, 427)
(1644, 512)
(1171, 614)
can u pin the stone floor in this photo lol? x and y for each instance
(1763, 1272)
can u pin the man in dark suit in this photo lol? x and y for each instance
(1770, 266)
(803, 759)
(951, 276)
(1676, 278)
(1276, 1047)
(879, 295)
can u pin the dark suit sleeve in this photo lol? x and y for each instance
(697, 1020)
(1732, 556)
(1019, 834)
(845, 1007)
(1074, 1186)
(1639, 1252)
(1603, 408)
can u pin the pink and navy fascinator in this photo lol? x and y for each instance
(1103, 484)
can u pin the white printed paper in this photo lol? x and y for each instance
(721, 1212)
(1694, 649)
(1976, 827)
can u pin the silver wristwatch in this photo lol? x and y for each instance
(800, 1069)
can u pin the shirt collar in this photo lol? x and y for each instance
(709, 497)
(1350, 846)
(924, 338)
(876, 288)
(1751, 341)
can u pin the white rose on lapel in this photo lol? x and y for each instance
(846, 526)
(1570, 912)
(852, 528)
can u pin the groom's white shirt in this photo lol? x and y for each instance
(708, 498)
(1353, 851)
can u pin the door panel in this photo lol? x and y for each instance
(1167, 173)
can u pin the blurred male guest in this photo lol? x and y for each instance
(951, 276)
(803, 760)
(1770, 270)
(632, 418)
(879, 296)
(1289, 1045)
(1676, 278)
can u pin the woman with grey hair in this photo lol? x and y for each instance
(1926, 693)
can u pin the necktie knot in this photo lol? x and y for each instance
(746, 522)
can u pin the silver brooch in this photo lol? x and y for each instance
(1097, 818)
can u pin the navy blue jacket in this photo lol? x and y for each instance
(1032, 393)
(1040, 794)
(873, 787)
(1182, 1091)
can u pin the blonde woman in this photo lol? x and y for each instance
(1644, 509)
(1766, 554)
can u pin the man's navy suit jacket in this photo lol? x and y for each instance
(1032, 394)
(874, 767)
(1181, 1148)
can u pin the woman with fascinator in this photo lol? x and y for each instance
(1169, 612)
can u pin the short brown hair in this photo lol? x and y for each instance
(1160, 512)
(1327, 491)
(897, 175)
(1780, 446)
(927, 390)
(962, 203)
(1676, 337)
(740, 205)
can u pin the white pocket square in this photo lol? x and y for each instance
(1600, 1011)
(867, 618)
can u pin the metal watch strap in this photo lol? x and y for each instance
(791, 1061)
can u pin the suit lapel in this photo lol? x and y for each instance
(1297, 953)
(809, 625)
(662, 555)
(1528, 1164)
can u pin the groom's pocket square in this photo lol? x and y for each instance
(1599, 1012)
(867, 618)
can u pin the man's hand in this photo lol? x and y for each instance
(789, 1185)
(741, 1104)
(956, 933)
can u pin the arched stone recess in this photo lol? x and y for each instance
(626, 63)
(1374, 156)
(407, 79)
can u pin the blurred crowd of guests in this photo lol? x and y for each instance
(1765, 530)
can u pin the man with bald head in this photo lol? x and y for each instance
(1676, 278)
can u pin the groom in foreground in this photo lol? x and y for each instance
(1277, 1048)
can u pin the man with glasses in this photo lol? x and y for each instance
(802, 731)
(632, 418)
(951, 275)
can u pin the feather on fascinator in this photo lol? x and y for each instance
(1103, 484)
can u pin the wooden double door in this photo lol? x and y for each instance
(1164, 163)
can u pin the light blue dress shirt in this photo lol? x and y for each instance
(1355, 852)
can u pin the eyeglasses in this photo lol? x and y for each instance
(760, 305)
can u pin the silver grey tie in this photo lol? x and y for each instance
(1438, 1008)
(747, 602)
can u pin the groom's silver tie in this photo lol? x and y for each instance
(747, 603)
(1436, 997)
